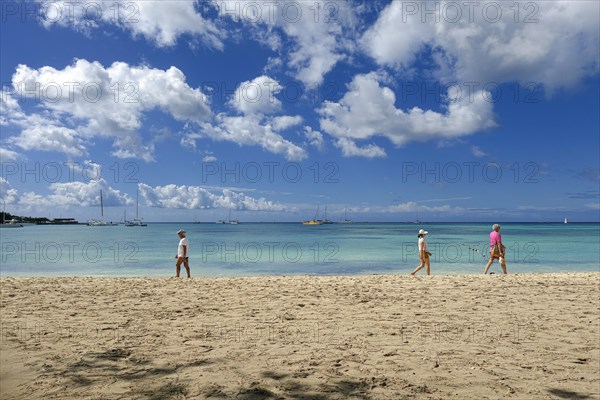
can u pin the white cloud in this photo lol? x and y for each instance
(477, 152)
(8, 194)
(39, 133)
(412, 206)
(315, 138)
(209, 159)
(86, 99)
(250, 131)
(158, 21)
(395, 39)
(65, 194)
(552, 42)
(87, 194)
(320, 32)
(195, 197)
(285, 122)
(368, 110)
(8, 155)
(256, 99)
(257, 96)
(350, 149)
(9, 108)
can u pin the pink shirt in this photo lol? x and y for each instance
(495, 238)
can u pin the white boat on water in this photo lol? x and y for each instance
(346, 220)
(101, 222)
(326, 221)
(10, 224)
(566, 222)
(228, 221)
(137, 221)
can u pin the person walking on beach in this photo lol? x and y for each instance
(496, 249)
(423, 253)
(183, 252)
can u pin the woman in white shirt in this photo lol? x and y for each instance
(423, 253)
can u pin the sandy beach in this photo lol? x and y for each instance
(523, 336)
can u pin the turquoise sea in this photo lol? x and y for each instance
(253, 249)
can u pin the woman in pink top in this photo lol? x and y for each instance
(496, 249)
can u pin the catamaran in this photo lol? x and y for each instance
(345, 220)
(101, 222)
(137, 221)
(326, 221)
(229, 221)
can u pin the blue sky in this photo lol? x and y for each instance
(449, 111)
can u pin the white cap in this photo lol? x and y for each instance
(423, 232)
(180, 231)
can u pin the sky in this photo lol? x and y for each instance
(482, 111)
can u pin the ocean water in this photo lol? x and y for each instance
(254, 249)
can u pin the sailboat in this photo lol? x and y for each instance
(101, 222)
(566, 222)
(137, 221)
(345, 220)
(314, 221)
(325, 221)
(229, 221)
(232, 221)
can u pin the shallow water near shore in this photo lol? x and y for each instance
(256, 249)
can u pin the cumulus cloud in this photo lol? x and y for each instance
(314, 138)
(251, 130)
(554, 43)
(285, 122)
(368, 109)
(312, 37)
(195, 197)
(158, 21)
(9, 107)
(65, 194)
(86, 99)
(87, 194)
(8, 155)
(256, 100)
(350, 149)
(8, 194)
(257, 96)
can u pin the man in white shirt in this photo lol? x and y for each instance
(182, 253)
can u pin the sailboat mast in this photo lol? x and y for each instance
(101, 205)
(137, 204)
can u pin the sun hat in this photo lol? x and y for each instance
(181, 231)
(423, 232)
